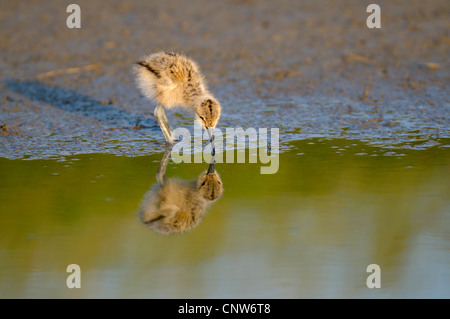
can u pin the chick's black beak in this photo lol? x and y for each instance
(211, 168)
(210, 133)
(211, 139)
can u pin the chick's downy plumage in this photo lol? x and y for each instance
(173, 80)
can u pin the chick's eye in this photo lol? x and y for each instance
(203, 184)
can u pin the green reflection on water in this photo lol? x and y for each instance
(334, 207)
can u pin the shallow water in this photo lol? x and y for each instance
(310, 230)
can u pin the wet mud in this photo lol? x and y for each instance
(309, 68)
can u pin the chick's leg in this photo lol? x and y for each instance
(161, 173)
(164, 124)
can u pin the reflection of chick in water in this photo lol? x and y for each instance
(175, 205)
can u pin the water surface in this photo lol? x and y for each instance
(334, 207)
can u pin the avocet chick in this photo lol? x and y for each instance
(173, 80)
(174, 205)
